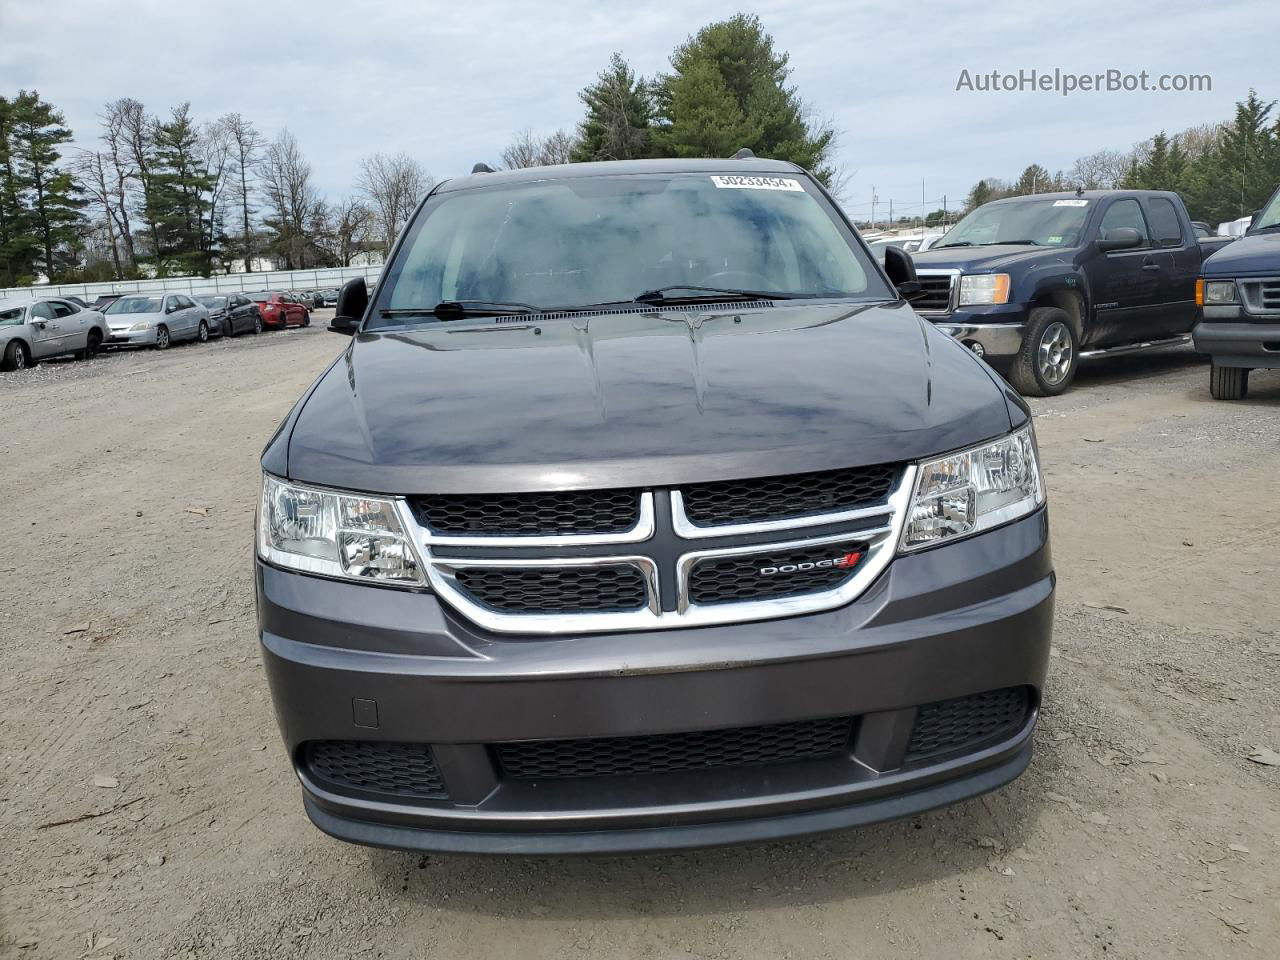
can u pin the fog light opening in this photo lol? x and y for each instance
(978, 349)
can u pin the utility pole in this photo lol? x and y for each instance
(874, 198)
(944, 211)
(891, 220)
(924, 209)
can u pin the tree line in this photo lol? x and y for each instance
(1223, 171)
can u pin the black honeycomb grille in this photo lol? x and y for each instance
(789, 573)
(530, 514)
(383, 769)
(537, 590)
(967, 722)
(778, 498)
(673, 752)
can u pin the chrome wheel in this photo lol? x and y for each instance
(162, 338)
(203, 333)
(257, 325)
(20, 358)
(1055, 353)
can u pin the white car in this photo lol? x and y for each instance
(34, 330)
(156, 320)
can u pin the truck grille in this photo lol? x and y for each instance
(674, 752)
(557, 590)
(369, 768)
(778, 498)
(1262, 296)
(937, 293)
(530, 514)
(967, 722)
(601, 561)
(768, 574)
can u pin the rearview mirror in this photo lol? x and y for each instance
(353, 300)
(1121, 238)
(902, 272)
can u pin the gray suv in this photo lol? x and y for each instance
(642, 512)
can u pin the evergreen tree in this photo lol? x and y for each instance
(980, 194)
(43, 198)
(180, 190)
(1034, 179)
(728, 89)
(1235, 176)
(618, 124)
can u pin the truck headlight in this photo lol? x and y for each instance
(974, 490)
(1215, 291)
(346, 535)
(984, 288)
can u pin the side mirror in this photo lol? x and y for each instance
(902, 272)
(1121, 238)
(353, 301)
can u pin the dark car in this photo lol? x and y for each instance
(105, 300)
(232, 313)
(642, 512)
(280, 310)
(331, 298)
(1239, 298)
(1034, 283)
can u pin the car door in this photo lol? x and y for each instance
(46, 330)
(173, 318)
(1125, 283)
(190, 315)
(74, 323)
(1179, 256)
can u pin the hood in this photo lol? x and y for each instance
(984, 259)
(1252, 254)
(651, 399)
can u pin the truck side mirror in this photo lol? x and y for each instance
(902, 273)
(1121, 238)
(353, 300)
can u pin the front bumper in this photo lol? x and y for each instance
(348, 662)
(132, 338)
(996, 329)
(1249, 344)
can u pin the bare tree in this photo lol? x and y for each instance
(527, 150)
(217, 150)
(291, 197)
(91, 172)
(123, 171)
(352, 226)
(395, 186)
(137, 137)
(246, 143)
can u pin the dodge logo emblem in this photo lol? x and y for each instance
(844, 560)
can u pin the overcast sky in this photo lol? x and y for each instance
(450, 83)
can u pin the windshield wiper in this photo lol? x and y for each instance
(661, 295)
(457, 309)
(1010, 243)
(958, 243)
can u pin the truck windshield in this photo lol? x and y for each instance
(1269, 218)
(1047, 223)
(590, 240)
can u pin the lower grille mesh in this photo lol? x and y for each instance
(791, 573)
(550, 590)
(967, 721)
(671, 752)
(385, 769)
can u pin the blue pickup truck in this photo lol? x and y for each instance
(1034, 283)
(1239, 298)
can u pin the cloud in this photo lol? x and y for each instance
(450, 83)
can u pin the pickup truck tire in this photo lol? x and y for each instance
(1046, 362)
(1228, 383)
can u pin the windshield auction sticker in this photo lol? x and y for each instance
(1071, 203)
(757, 183)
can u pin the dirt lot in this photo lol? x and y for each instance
(131, 695)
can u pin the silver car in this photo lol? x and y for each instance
(33, 330)
(156, 320)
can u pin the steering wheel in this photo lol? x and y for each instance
(736, 279)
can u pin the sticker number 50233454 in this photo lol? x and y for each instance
(757, 183)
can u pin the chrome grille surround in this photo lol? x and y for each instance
(878, 526)
(932, 305)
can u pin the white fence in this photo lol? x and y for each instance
(221, 283)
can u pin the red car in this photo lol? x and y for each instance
(279, 310)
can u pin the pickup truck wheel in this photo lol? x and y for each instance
(1046, 362)
(1228, 383)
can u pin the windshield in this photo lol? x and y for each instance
(590, 240)
(11, 315)
(1048, 223)
(1270, 215)
(135, 305)
(212, 302)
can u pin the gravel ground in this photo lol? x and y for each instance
(147, 809)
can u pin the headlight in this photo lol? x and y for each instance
(974, 490)
(141, 325)
(984, 288)
(1219, 291)
(334, 534)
